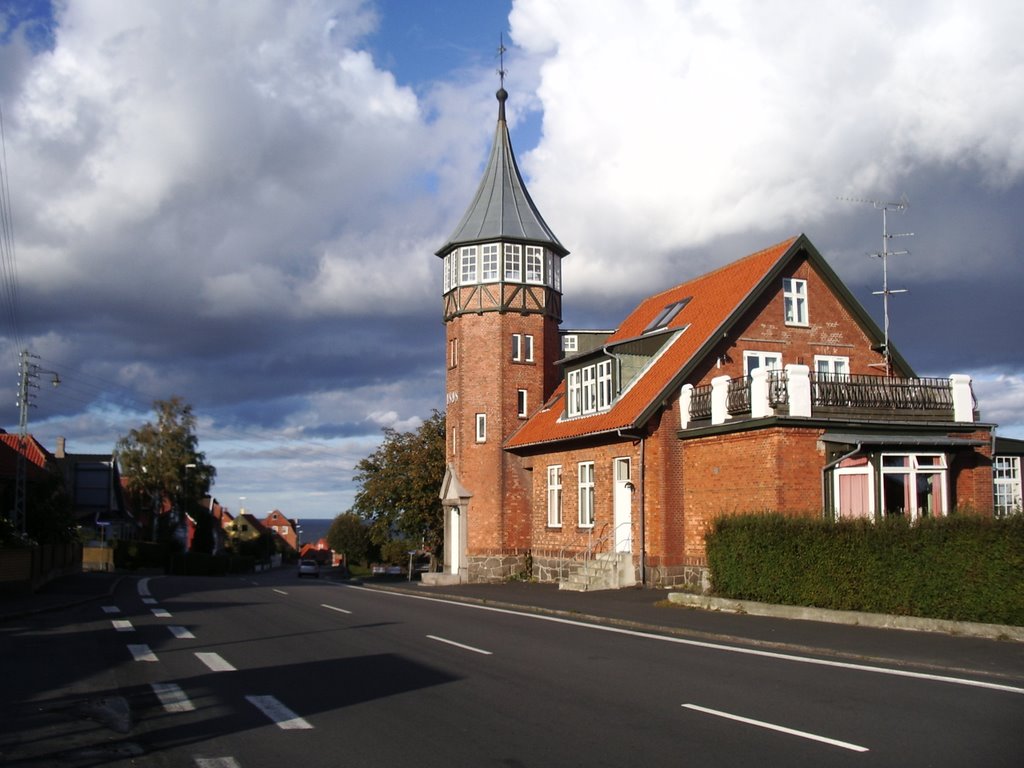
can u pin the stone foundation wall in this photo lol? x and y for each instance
(690, 578)
(498, 567)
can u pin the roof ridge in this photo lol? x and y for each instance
(788, 242)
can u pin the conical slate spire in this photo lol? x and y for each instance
(502, 208)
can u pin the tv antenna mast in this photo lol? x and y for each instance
(884, 254)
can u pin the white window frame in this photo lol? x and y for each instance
(467, 265)
(453, 353)
(857, 470)
(528, 348)
(556, 273)
(588, 392)
(481, 427)
(917, 466)
(521, 403)
(586, 494)
(533, 264)
(573, 393)
(570, 343)
(832, 365)
(604, 385)
(770, 360)
(489, 263)
(794, 301)
(555, 496)
(513, 263)
(1006, 485)
(517, 347)
(447, 273)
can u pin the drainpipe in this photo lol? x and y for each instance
(643, 520)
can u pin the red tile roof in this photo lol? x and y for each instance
(34, 453)
(716, 297)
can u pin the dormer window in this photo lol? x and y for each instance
(589, 388)
(794, 297)
(667, 315)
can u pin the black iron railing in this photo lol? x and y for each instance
(834, 390)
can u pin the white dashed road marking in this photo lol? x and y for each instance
(779, 728)
(142, 653)
(111, 609)
(215, 662)
(122, 625)
(172, 697)
(460, 645)
(161, 613)
(283, 717)
(334, 608)
(181, 633)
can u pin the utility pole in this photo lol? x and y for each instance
(28, 375)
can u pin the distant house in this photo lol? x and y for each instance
(321, 552)
(39, 466)
(283, 529)
(601, 459)
(93, 481)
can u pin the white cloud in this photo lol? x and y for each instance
(689, 122)
(210, 149)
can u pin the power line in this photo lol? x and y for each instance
(8, 263)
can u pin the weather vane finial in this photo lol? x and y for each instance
(501, 58)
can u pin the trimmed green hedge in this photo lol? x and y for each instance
(964, 568)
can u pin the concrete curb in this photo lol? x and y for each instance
(854, 618)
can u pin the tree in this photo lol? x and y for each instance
(399, 484)
(162, 461)
(349, 537)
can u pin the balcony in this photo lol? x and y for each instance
(796, 392)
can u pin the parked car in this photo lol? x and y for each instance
(309, 568)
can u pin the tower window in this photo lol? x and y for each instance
(534, 264)
(448, 273)
(521, 403)
(794, 297)
(522, 348)
(453, 353)
(467, 265)
(513, 263)
(489, 263)
(481, 427)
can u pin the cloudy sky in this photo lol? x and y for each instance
(239, 202)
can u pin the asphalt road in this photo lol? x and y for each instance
(273, 671)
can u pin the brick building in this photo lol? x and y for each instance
(600, 458)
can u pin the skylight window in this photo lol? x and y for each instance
(667, 315)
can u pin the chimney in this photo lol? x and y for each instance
(60, 447)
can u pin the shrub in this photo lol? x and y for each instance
(965, 568)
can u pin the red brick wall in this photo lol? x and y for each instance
(973, 477)
(773, 469)
(832, 331)
(486, 380)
